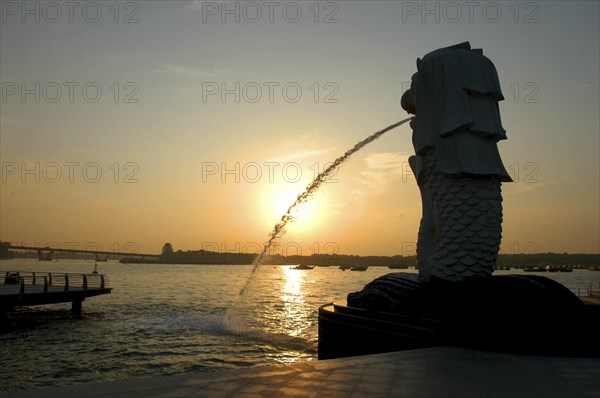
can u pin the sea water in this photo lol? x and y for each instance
(168, 319)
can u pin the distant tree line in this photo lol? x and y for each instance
(504, 260)
(532, 260)
(170, 256)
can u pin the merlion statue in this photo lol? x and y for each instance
(455, 95)
(454, 300)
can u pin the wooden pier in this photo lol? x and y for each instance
(39, 288)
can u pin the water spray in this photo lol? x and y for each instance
(279, 228)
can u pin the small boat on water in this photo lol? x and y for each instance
(397, 266)
(303, 267)
(549, 268)
(534, 269)
(359, 268)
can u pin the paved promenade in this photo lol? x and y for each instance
(432, 372)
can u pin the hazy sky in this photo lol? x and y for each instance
(198, 123)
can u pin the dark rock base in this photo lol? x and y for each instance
(515, 313)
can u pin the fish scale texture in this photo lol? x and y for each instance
(468, 231)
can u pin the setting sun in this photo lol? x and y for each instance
(277, 202)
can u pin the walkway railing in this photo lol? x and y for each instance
(43, 282)
(592, 294)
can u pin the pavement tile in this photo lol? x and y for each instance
(304, 366)
(440, 372)
(310, 376)
(338, 386)
(228, 386)
(304, 384)
(175, 392)
(113, 387)
(199, 378)
(264, 371)
(340, 377)
(404, 367)
(355, 371)
(403, 391)
(285, 392)
(361, 394)
(210, 393)
(124, 394)
(372, 388)
(410, 374)
(271, 373)
(330, 364)
(172, 392)
(275, 380)
(259, 388)
(372, 379)
(328, 393)
(388, 365)
(358, 363)
(66, 391)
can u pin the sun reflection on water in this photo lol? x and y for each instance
(292, 296)
(278, 312)
(292, 289)
(287, 312)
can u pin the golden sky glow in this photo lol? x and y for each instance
(180, 146)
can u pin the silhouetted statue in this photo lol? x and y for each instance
(455, 300)
(455, 95)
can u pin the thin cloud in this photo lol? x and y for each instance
(382, 167)
(337, 208)
(191, 72)
(381, 170)
(524, 187)
(302, 154)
